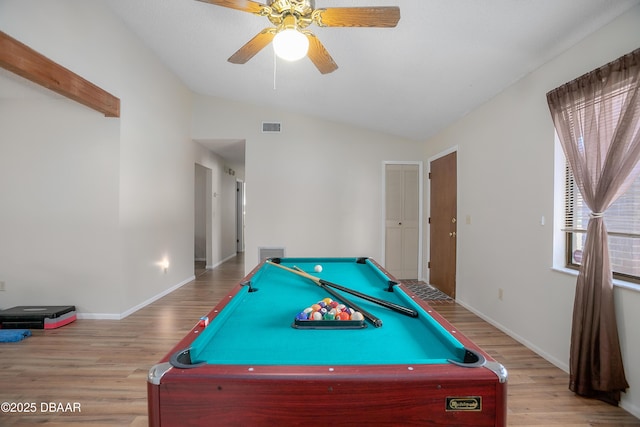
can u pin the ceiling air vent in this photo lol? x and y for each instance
(271, 127)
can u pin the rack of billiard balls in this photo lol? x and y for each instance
(328, 313)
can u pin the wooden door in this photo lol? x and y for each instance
(402, 220)
(443, 223)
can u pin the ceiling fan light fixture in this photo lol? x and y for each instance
(290, 44)
(290, 19)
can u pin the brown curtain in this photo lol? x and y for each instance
(597, 118)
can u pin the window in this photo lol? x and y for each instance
(622, 220)
(597, 117)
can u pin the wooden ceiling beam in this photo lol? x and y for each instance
(26, 62)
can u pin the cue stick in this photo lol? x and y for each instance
(370, 317)
(395, 307)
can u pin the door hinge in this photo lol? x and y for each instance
(429, 264)
(429, 221)
(429, 175)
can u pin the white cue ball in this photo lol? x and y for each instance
(317, 268)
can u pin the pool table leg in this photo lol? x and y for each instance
(153, 404)
(153, 391)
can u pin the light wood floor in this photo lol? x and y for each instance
(102, 365)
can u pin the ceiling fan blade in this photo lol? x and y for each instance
(253, 46)
(243, 5)
(319, 55)
(385, 16)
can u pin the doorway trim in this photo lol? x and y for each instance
(383, 209)
(205, 194)
(453, 149)
(240, 199)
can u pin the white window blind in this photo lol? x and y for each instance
(622, 219)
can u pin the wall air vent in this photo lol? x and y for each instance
(271, 127)
(270, 252)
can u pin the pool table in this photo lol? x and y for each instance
(249, 362)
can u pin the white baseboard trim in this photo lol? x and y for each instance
(549, 358)
(625, 404)
(116, 316)
(111, 316)
(211, 267)
(99, 316)
(629, 407)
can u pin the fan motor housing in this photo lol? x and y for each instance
(298, 7)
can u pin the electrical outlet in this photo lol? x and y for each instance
(2, 286)
(500, 292)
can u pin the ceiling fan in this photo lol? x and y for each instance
(292, 17)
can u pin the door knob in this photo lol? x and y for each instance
(452, 234)
(453, 220)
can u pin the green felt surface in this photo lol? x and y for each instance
(255, 327)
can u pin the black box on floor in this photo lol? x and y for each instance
(37, 316)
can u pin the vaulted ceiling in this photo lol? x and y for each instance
(444, 58)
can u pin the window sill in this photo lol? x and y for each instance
(616, 282)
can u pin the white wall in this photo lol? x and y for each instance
(315, 188)
(505, 179)
(59, 174)
(156, 174)
(139, 170)
(59, 205)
